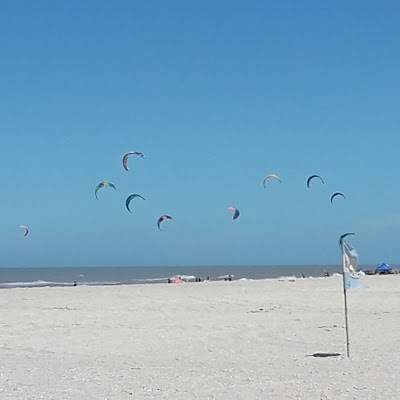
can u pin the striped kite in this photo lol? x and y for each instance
(26, 230)
(271, 176)
(341, 238)
(236, 212)
(336, 194)
(161, 219)
(131, 197)
(310, 178)
(103, 184)
(127, 155)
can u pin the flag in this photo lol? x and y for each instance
(352, 279)
(350, 258)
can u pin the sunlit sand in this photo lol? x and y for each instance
(210, 340)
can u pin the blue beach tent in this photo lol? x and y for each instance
(383, 268)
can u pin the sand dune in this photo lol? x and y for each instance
(217, 340)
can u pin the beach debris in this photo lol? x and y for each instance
(126, 157)
(327, 327)
(236, 212)
(261, 310)
(335, 195)
(130, 198)
(271, 176)
(256, 311)
(161, 219)
(60, 308)
(26, 229)
(310, 178)
(104, 184)
(291, 278)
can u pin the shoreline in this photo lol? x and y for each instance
(158, 281)
(161, 281)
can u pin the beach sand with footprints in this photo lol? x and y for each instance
(268, 339)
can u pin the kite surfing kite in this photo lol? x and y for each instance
(271, 176)
(126, 157)
(131, 197)
(335, 195)
(236, 212)
(310, 178)
(104, 184)
(26, 230)
(341, 238)
(161, 219)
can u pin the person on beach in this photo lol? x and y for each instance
(75, 283)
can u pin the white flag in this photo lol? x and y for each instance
(350, 258)
(352, 279)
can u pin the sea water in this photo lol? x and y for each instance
(57, 276)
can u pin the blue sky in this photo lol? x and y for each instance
(217, 94)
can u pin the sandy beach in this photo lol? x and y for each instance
(211, 340)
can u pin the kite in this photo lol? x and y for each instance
(236, 212)
(26, 229)
(131, 197)
(161, 219)
(126, 157)
(104, 184)
(336, 194)
(341, 238)
(271, 176)
(312, 177)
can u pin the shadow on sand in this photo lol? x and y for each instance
(323, 355)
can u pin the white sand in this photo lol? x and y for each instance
(201, 341)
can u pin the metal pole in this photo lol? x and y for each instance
(346, 319)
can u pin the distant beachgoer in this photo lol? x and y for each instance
(208, 278)
(169, 280)
(230, 278)
(75, 283)
(303, 276)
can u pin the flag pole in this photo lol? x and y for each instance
(346, 319)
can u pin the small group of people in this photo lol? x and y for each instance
(175, 280)
(180, 280)
(200, 279)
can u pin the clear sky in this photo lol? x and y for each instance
(217, 94)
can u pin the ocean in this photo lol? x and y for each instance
(57, 276)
